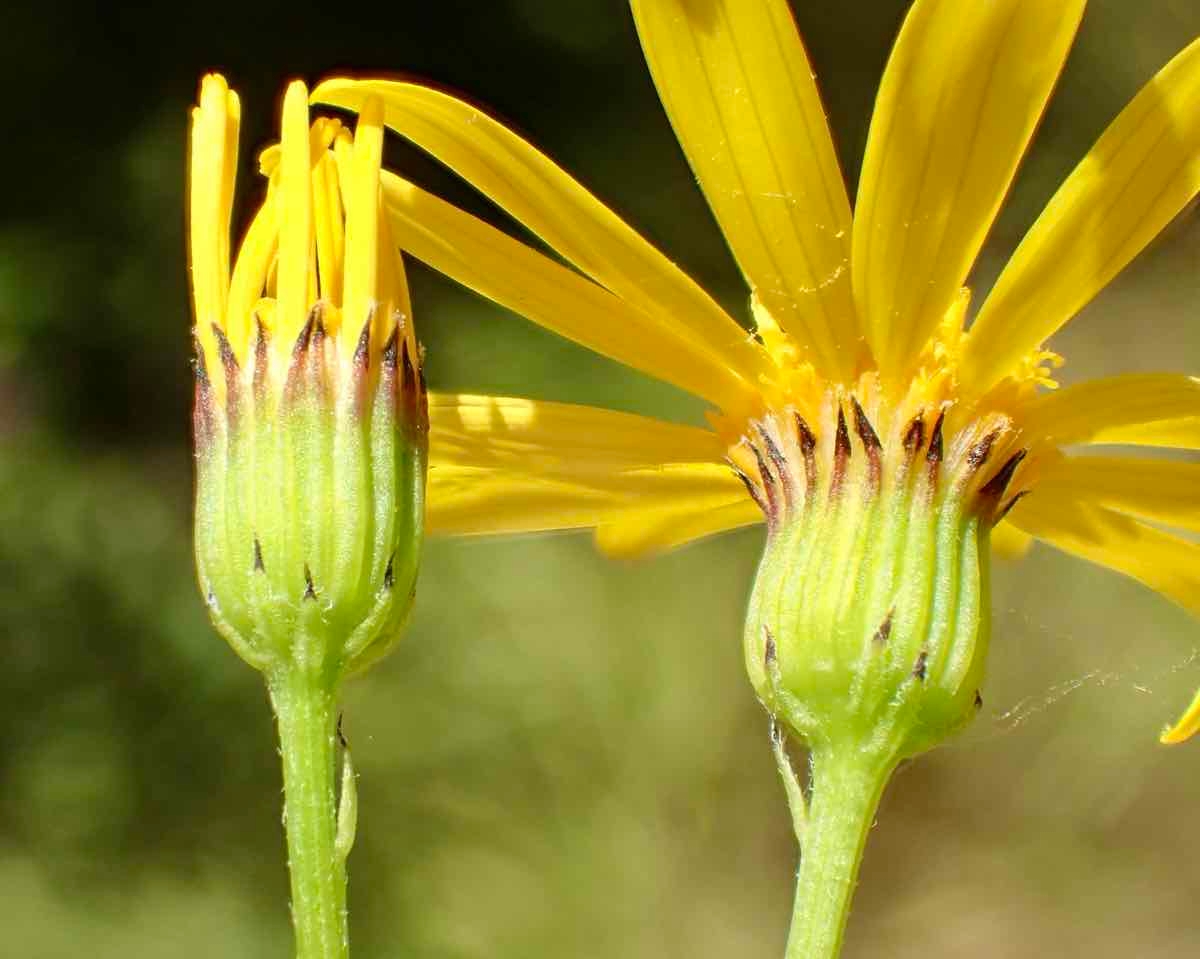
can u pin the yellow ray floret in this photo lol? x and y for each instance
(963, 91)
(737, 85)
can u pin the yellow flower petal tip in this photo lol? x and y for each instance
(1187, 726)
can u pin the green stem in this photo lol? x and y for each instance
(846, 786)
(305, 708)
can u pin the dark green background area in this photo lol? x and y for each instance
(562, 758)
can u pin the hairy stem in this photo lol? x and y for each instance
(306, 712)
(846, 787)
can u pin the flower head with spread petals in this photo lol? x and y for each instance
(862, 372)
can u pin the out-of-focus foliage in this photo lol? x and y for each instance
(563, 757)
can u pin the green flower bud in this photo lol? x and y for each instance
(868, 624)
(310, 410)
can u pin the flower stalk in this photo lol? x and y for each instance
(846, 788)
(306, 713)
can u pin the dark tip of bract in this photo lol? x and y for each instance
(841, 442)
(768, 482)
(808, 442)
(306, 333)
(362, 350)
(934, 453)
(775, 454)
(978, 454)
(914, 436)
(390, 352)
(389, 574)
(258, 557)
(310, 589)
(769, 650)
(884, 632)
(199, 367)
(750, 487)
(864, 429)
(841, 452)
(921, 666)
(262, 340)
(994, 488)
(408, 374)
(225, 351)
(978, 700)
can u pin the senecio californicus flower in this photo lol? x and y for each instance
(311, 432)
(309, 415)
(887, 445)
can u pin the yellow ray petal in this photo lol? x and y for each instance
(963, 91)
(500, 464)
(657, 530)
(1138, 176)
(360, 186)
(1008, 542)
(737, 85)
(250, 273)
(1186, 727)
(1165, 492)
(294, 205)
(468, 499)
(560, 440)
(534, 190)
(1157, 409)
(213, 168)
(1168, 564)
(1181, 433)
(519, 278)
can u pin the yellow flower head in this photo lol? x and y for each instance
(861, 372)
(309, 417)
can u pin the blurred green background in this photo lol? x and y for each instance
(563, 757)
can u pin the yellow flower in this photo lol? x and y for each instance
(859, 320)
(309, 416)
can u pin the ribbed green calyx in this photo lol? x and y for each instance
(868, 623)
(310, 499)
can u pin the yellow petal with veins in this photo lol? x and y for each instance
(961, 96)
(294, 205)
(560, 439)
(1162, 491)
(537, 192)
(650, 531)
(737, 85)
(250, 274)
(517, 277)
(1157, 409)
(360, 186)
(1138, 176)
(213, 165)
